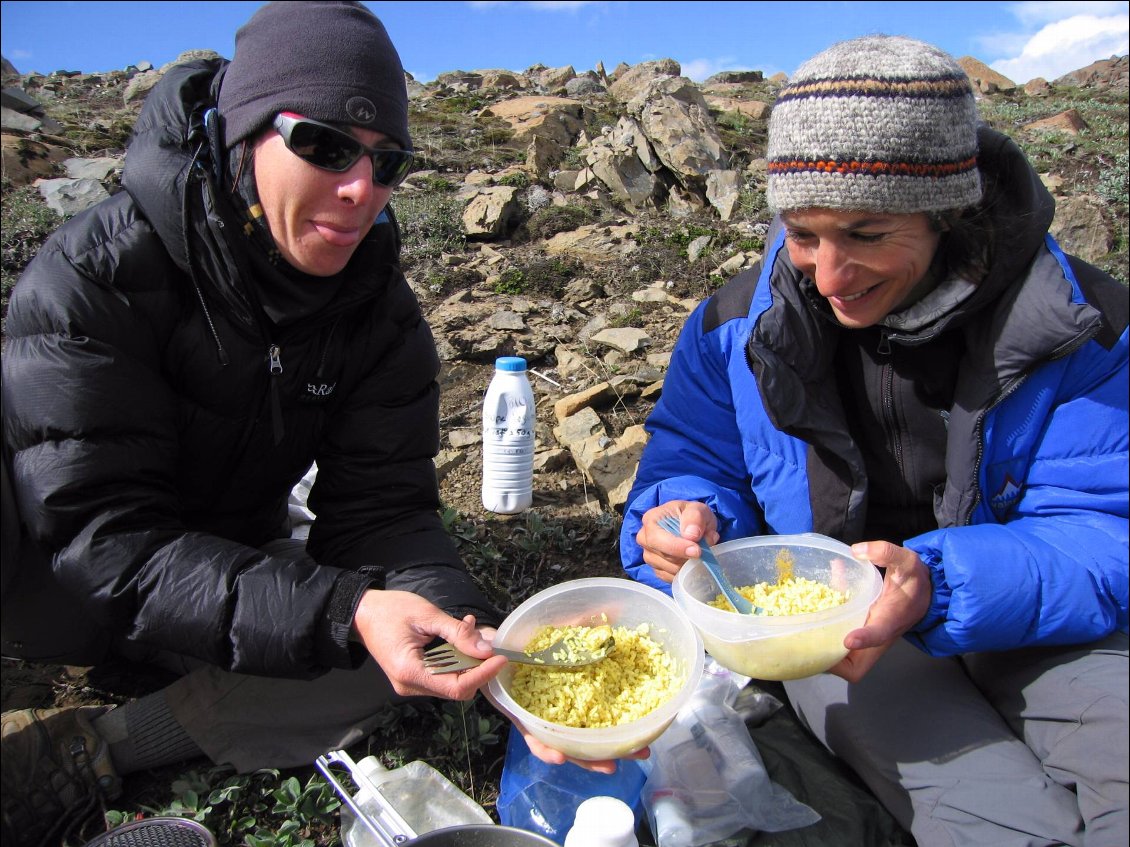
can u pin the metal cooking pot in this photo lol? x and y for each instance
(389, 829)
(481, 835)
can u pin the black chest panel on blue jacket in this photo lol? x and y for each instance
(897, 399)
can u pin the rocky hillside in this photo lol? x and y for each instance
(574, 219)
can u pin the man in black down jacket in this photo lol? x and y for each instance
(178, 357)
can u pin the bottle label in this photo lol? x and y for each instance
(508, 445)
(511, 415)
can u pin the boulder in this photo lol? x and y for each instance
(985, 80)
(26, 160)
(597, 243)
(71, 196)
(675, 118)
(491, 211)
(1069, 122)
(634, 80)
(556, 118)
(1080, 228)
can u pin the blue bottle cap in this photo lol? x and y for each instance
(509, 363)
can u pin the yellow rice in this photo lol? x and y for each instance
(636, 678)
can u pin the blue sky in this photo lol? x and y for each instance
(1022, 40)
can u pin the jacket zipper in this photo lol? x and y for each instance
(887, 400)
(274, 365)
(274, 360)
(884, 343)
(890, 418)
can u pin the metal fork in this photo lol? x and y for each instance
(446, 658)
(671, 524)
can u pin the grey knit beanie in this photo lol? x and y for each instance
(881, 124)
(332, 62)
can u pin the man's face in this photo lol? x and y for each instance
(864, 263)
(317, 217)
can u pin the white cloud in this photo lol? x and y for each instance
(1039, 12)
(1068, 36)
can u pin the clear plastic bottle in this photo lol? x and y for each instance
(508, 438)
(672, 820)
(421, 795)
(603, 822)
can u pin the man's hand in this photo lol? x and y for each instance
(396, 626)
(905, 599)
(667, 553)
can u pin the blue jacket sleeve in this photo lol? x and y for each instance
(693, 427)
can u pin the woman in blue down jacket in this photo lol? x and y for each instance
(918, 370)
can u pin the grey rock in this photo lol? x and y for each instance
(19, 100)
(98, 168)
(10, 119)
(626, 339)
(71, 196)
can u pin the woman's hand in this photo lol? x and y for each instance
(396, 626)
(904, 601)
(667, 553)
(552, 756)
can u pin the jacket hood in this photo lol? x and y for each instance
(1020, 210)
(167, 138)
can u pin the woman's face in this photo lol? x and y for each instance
(317, 217)
(864, 263)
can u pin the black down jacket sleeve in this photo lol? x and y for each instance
(94, 417)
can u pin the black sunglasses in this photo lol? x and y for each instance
(333, 149)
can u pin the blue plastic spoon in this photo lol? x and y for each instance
(671, 524)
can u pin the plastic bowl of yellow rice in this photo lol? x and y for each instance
(812, 593)
(620, 704)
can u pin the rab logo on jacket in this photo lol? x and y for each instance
(319, 390)
(1002, 502)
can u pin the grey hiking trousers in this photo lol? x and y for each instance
(1025, 747)
(255, 722)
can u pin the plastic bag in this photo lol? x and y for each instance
(705, 778)
(543, 798)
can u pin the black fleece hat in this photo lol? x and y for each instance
(332, 62)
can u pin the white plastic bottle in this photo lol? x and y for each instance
(508, 438)
(603, 822)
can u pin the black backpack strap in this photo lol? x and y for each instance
(1107, 295)
(10, 527)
